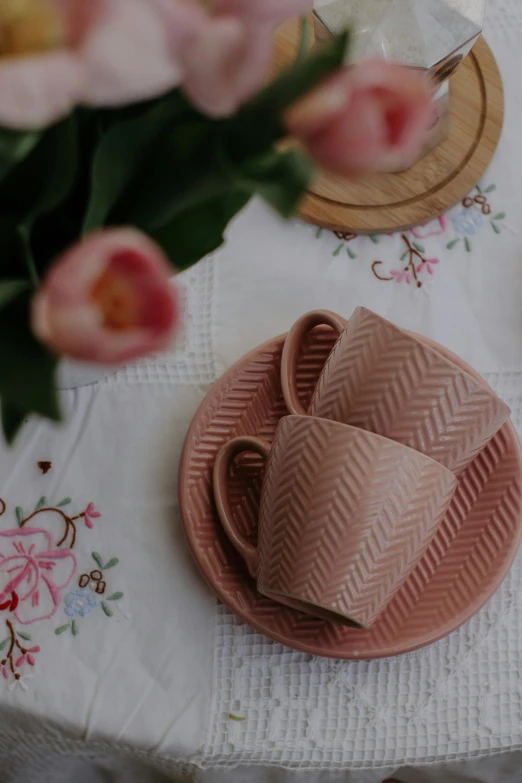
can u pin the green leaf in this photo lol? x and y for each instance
(500, 216)
(237, 718)
(467, 242)
(337, 251)
(14, 147)
(200, 230)
(41, 503)
(10, 289)
(19, 514)
(74, 628)
(4, 644)
(280, 178)
(64, 502)
(351, 253)
(27, 368)
(12, 420)
(319, 233)
(490, 189)
(404, 255)
(374, 239)
(452, 244)
(112, 562)
(24, 635)
(46, 175)
(123, 151)
(115, 597)
(419, 247)
(97, 559)
(260, 122)
(108, 611)
(496, 228)
(62, 629)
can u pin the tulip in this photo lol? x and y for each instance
(370, 117)
(108, 300)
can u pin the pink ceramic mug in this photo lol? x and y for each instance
(345, 516)
(391, 382)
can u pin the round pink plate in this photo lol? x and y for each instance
(463, 567)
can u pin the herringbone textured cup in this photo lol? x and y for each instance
(386, 380)
(345, 516)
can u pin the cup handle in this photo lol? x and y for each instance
(220, 482)
(291, 352)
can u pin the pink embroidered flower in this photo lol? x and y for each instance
(427, 265)
(4, 671)
(34, 571)
(401, 277)
(432, 229)
(89, 514)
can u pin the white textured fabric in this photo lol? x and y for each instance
(146, 690)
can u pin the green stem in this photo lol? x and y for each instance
(27, 255)
(303, 40)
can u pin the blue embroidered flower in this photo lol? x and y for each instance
(80, 603)
(468, 222)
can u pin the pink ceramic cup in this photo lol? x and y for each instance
(391, 382)
(345, 516)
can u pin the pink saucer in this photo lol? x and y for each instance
(462, 569)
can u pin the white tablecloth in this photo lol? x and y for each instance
(142, 678)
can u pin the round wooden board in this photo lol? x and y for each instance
(390, 202)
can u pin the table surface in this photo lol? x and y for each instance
(130, 650)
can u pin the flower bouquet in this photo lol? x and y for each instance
(131, 132)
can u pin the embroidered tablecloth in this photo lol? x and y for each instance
(116, 658)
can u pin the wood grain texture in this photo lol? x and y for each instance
(390, 202)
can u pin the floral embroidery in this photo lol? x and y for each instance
(37, 565)
(80, 603)
(462, 224)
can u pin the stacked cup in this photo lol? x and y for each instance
(356, 486)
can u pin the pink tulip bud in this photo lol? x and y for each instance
(108, 299)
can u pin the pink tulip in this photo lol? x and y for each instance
(225, 59)
(370, 117)
(108, 299)
(57, 53)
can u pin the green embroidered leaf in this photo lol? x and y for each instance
(12, 420)
(500, 216)
(106, 609)
(489, 190)
(452, 244)
(64, 502)
(304, 40)
(319, 233)
(404, 255)
(74, 628)
(419, 247)
(24, 635)
(351, 253)
(115, 597)
(468, 245)
(496, 228)
(41, 503)
(4, 644)
(374, 239)
(62, 629)
(97, 559)
(19, 514)
(112, 562)
(338, 251)
(236, 717)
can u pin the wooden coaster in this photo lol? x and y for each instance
(391, 202)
